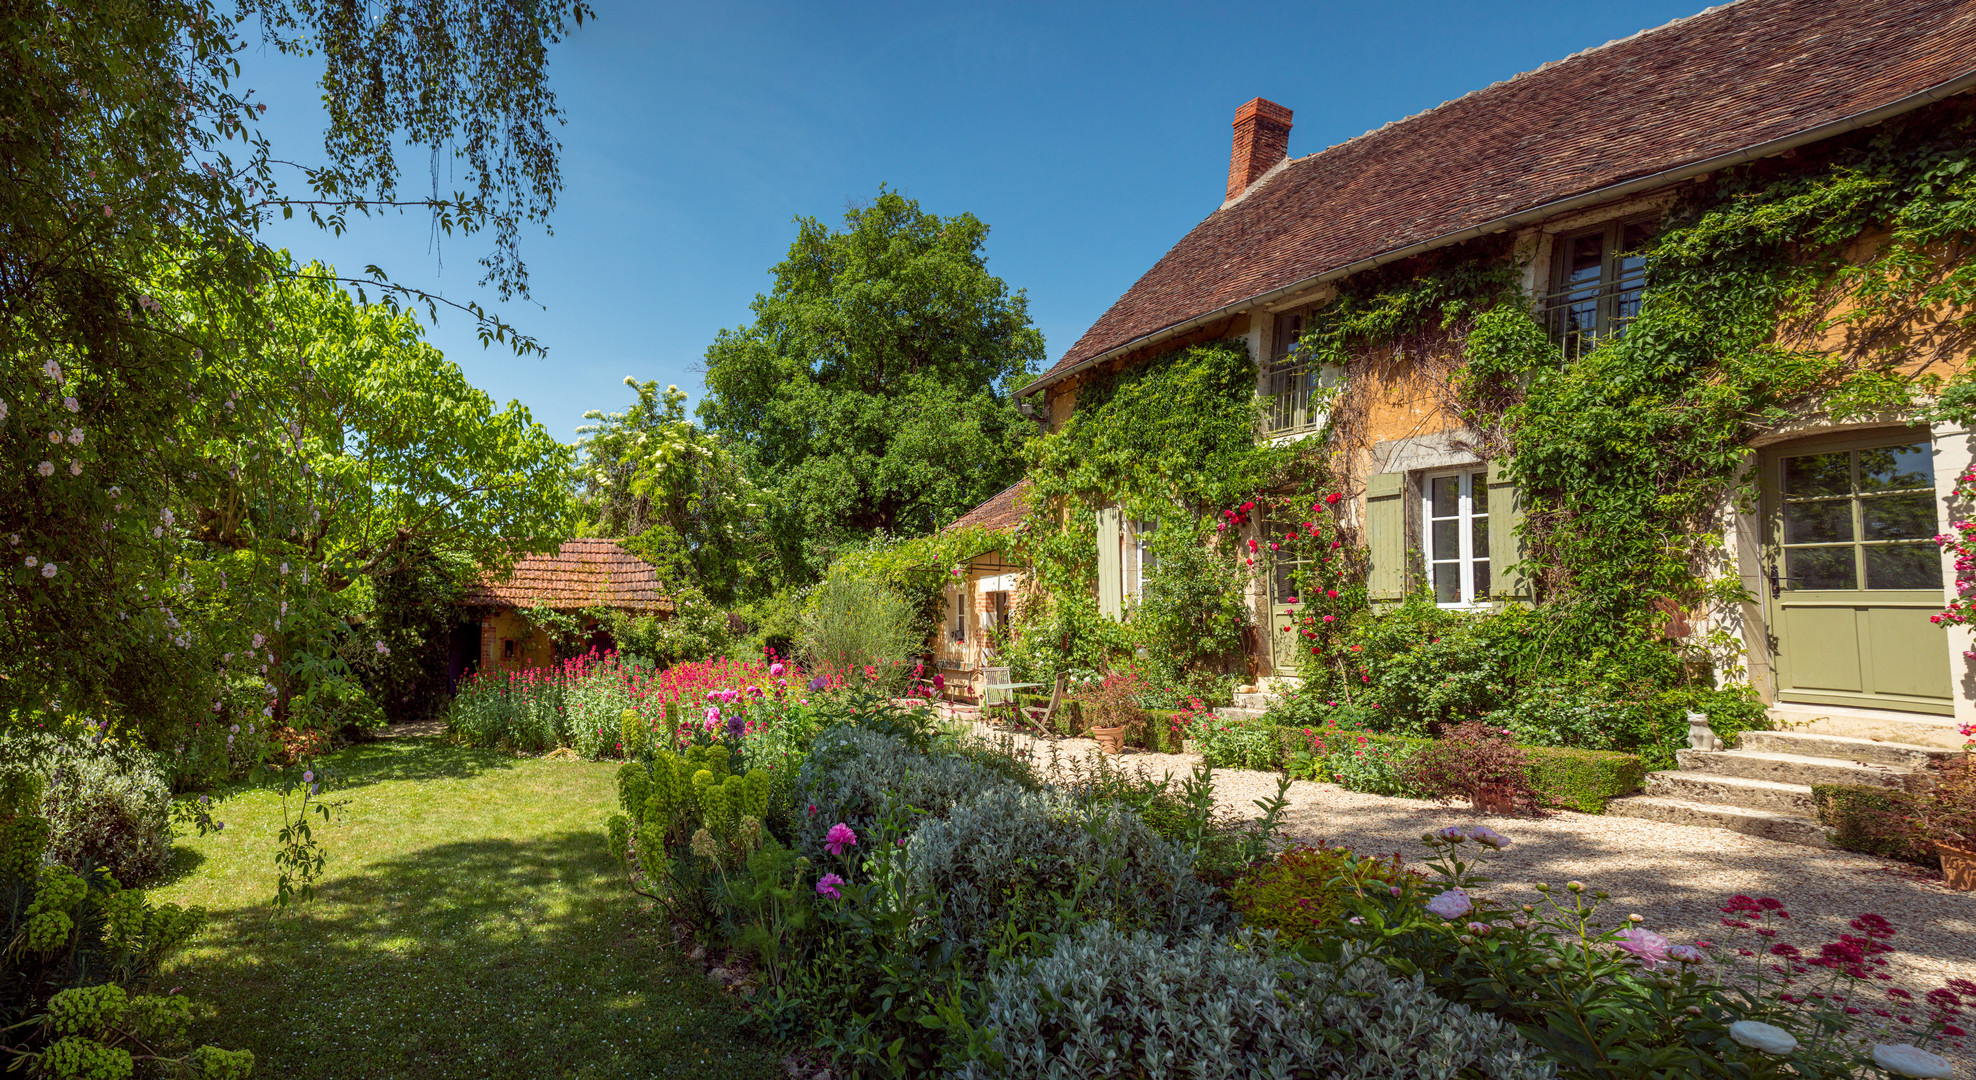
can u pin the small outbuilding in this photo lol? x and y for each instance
(584, 578)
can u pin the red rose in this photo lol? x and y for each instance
(1332, 499)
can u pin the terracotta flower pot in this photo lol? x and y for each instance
(1958, 866)
(1493, 799)
(1111, 740)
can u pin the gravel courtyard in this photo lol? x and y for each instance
(1676, 876)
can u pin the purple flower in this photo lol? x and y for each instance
(817, 684)
(1452, 904)
(838, 838)
(1650, 948)
(827, 886)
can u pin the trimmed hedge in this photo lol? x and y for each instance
(1582, 780)
(1855, 817)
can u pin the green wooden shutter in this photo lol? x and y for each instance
(1505, 545)
(1110, 540)
(1386, 535)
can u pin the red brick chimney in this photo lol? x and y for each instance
(1262, 138)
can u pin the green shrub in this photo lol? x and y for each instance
(1014, 858)
(852, 623)
(851, 773)
(1236, 744)
(1873, 820)
(1302, 891)
(109, 806)
(1105, 1004)
(1374, 763)
(1584, 780)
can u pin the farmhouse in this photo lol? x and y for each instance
(1563, 177)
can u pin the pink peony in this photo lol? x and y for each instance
(1452, 904)
(827, 886)
(1648, 947)
(838, 838)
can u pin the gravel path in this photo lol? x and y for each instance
(1677, 876)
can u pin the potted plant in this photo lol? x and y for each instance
(1947, 821)
(1111, 707)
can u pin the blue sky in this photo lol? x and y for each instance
(1089, 137)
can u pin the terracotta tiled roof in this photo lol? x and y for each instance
(584, 573)
(1000, 513)
(1729, 78)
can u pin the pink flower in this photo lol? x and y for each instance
(838, 838)
(1452, 904)
(1648, 947)
(827, 886)
(775, 671)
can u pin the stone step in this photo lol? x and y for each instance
(1237, 713)
(1254, 701)
(1768, 824)
(1742, 791)
(1911, 729)
(1843, 747)
(1787, 768)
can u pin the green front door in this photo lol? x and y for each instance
(1852, 573)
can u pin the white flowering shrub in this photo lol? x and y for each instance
(108, 806)
(1010, 857)
(1206, 1007)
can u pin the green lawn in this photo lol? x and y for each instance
(471, 924)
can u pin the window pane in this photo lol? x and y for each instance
(1480, 498)
(1828, 521)
(1481, 569)
(1446, 540)
(1478, 537)
(1819, 568)
(1898, 517)
(1447, 583)
(1903, 566)
(1895, 468)
(1636, 236)
(1818, 474)
(1445, 494)
(1585, 257)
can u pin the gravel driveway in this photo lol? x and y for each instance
(1676, 876)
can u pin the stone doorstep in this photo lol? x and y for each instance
(1842, 747)
(1787, 768)
(1768, 824)
(1258, 702)
(1771, 795)
(1238, 714)
(1909, 729)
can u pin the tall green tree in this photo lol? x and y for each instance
(136, 295)
(677, 494)
(873, 391)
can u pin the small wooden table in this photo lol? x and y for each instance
(1015, 716)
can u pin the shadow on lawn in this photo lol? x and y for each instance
(484, 958)
(414, 759)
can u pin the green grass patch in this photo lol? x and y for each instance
(470, 923)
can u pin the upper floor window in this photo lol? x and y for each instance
(1292, 381)
(1596, 280)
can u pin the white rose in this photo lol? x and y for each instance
(1903, 1059)
(1761, 1036)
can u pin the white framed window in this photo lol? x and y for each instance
(958, 605)
(1454, 516)
(1143, 558)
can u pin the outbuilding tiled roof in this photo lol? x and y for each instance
(1730, 78)
(1002, 512)
(583, 573)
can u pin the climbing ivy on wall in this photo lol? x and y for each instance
(1172, 440)
(1834, 281)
